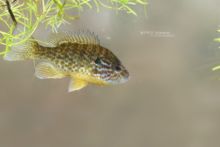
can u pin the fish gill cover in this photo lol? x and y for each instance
(52, 13)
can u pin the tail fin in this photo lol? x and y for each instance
(23, 51)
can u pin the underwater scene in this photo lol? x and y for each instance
(109, 73)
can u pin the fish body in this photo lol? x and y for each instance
(78, 56)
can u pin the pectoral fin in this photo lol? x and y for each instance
(46, 70)
(76, 84)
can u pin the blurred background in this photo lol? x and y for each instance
(171, 100)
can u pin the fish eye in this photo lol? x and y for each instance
(117, 68)
(98, 61)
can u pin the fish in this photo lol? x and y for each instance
(77, 55)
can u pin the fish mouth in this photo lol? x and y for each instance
(123, 80)
(124, 77)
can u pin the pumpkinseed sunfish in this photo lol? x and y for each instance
(78, 56)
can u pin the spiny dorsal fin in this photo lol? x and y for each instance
(46, 70)
(81, 37)
(76, 84)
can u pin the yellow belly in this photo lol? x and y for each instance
(89, 79)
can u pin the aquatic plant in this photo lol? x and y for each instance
(218, 66)
(53, 13)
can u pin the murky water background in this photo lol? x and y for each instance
(172, 99)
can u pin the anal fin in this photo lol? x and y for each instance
(46, 70)
(77, 84)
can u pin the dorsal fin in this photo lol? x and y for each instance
(81, 37)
